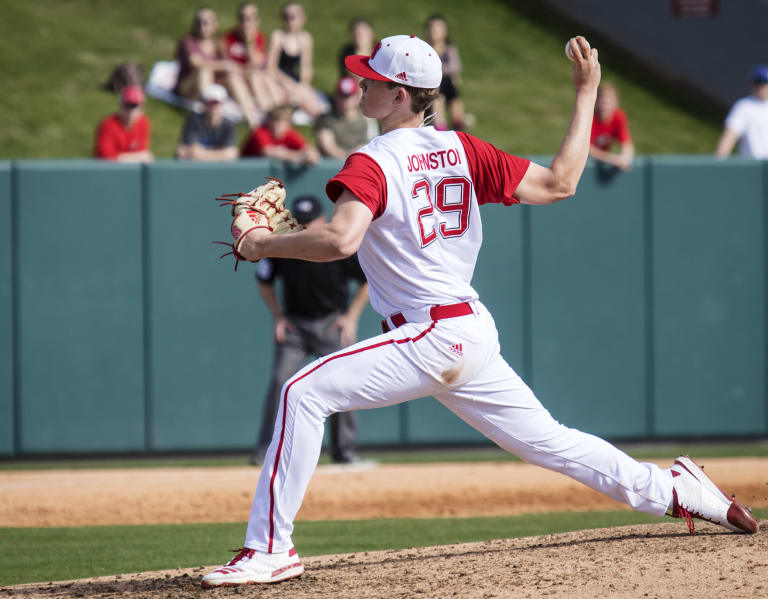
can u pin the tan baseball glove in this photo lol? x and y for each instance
(260, 208)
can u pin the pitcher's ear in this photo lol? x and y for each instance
(401, 96)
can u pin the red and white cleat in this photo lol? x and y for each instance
(254, 567)
(696, 496)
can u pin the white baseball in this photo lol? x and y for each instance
(569, 52)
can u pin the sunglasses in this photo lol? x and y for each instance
(130, 106)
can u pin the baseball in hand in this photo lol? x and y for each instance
(569, 52)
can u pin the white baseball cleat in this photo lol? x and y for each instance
(696, 496)
(254, 567)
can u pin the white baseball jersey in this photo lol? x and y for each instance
(421, 248)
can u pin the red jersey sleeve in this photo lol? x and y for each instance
(496, 174)
(363, 176)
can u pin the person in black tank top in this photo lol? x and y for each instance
(289, 64)
(290, 61)
(361, 42)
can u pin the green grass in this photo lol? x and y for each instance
(645, 451)
(54, 56)
(46, 554)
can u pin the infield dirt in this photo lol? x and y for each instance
(638, 561)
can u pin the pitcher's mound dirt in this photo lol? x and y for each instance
(659, 560)
(641, 561)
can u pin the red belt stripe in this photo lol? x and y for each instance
(435, 313)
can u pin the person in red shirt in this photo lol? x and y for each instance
(124, 136)
(244, 45)
(276, 138)
(610, 127)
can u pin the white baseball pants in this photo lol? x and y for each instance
(457, 361)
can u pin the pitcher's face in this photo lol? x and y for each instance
(377, 99)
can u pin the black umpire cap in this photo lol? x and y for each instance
(306, 209)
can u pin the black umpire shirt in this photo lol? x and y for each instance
(312, 289)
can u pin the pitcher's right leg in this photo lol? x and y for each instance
(381, 371)
(374, 373)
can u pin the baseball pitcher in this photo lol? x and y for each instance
(410, 203)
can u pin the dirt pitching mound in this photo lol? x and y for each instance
(655, 560)
(658, 560)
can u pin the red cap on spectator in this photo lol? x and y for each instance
(132, 94)
(346, 86)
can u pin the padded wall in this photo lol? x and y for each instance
(709, 300)
(636, 309)
(588, 305)
(79, 298)
(7, 410)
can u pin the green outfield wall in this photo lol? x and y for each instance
(7, 394)
(636, 310)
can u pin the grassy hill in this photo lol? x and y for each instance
(55, 54)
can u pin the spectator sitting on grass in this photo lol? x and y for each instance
(277, 138)
(449, 99)
(346, 129)
(290, 60)
(208, 136)
(124, 136)
(244, 44)
(202, 62)
(609, 127)
(362, 42)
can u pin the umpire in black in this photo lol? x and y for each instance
(315, 317)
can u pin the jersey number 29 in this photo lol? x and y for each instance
(452, 194)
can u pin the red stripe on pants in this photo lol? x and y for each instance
(285, 412)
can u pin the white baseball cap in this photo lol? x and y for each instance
(403, 59)
(214, 93)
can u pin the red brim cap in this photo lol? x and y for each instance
(359, 65)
